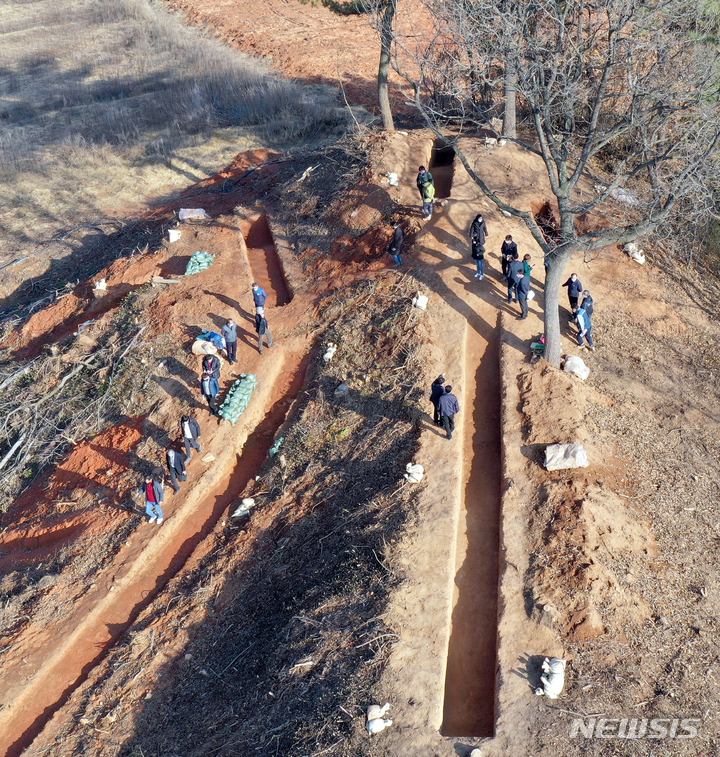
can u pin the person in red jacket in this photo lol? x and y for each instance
(152, 488)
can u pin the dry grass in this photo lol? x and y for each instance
(106, 105)
(275, 641)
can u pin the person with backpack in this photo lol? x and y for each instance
(515, 272)
(191, 433)
(259, 295)
(152, 488)
(436, 391)
(508, 249)
(210, 389)
(428, 193)
(478, 234)
(176, 468)
(424, 177)
(229, 332)
(263, 330)
(395, 249)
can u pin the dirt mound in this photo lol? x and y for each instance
(590, 549)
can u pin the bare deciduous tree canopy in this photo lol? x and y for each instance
(631, 86)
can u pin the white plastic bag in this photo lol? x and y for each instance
(574, 364)
(564, 456)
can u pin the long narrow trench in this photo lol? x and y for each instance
(105, 624)
(265, 264)
(442, 167)
(135, 587)
(470, 682)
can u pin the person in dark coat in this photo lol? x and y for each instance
(395, 249)
(424, 177)
(523, 288)
(229, 331)
(449, 407)
(211, 365)
(263, 330)
(176, 468)
(436, 391)
(210, 389)
(587, 304)
(259, 295)
(575, 289)
(191, 433)
(478, 234)
(515, 272)
(152, 488)
(507, 251)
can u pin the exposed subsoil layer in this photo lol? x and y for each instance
(46, 516)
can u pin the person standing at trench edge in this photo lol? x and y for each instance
(436, 391)
(395, 249)
(449, 408)
(259, 296)
(478, 234)
(152, 488)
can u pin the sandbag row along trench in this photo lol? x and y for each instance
(56, 660)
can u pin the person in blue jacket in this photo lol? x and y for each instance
(259, 295)
(585, 329)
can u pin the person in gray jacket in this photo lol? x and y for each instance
(449, 407)
(229, 331)
(176, 468)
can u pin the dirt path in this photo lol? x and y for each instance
(52, 661)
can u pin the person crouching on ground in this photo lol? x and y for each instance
(395, 249)
(449, 407)
(152, 488)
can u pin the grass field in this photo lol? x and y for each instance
(107, 105)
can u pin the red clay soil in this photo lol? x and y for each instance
(84, 496)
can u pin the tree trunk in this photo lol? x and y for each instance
(510, 114)
(386, 37)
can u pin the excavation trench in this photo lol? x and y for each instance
(126, 591)
(470, 681)
(442, 167)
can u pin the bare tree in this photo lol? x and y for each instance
(382, 17)
(623, 109)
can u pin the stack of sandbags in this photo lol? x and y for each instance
(199, 262)
(238, 397)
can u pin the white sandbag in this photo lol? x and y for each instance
(563, 456)
(574, 364)
(420, 301)
(330, 350)
(636, 254)
(377, 725)
(190, 214)
(174, 235)
(201, 347)
(554, 679)
(624, 195)
(245, 506)
(374, 711)
(414, 473)
(392, 179)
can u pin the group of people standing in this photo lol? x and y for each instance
(152, 487)
(581, 310)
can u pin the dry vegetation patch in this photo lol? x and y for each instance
(275, 638)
